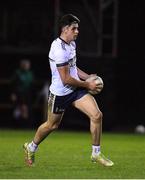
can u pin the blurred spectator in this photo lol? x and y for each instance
(42, 98)
(22, 85)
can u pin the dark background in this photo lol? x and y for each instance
(26, 31)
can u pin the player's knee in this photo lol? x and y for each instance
(97, 117)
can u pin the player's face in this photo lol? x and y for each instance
(73, 31)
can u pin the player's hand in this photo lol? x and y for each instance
(92, 75)
(93, 86)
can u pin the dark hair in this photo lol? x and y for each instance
(67, 19)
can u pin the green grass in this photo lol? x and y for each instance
(66, 155)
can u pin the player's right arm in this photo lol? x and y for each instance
(69, 80)
(59, 54)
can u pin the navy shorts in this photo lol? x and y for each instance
(58, 104)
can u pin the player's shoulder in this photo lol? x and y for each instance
(58, 44)
(56, 50)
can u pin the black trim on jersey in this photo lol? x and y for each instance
(62, 64)
(51, 59)
(70, 59)
(63, 40)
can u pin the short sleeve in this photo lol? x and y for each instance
(58, 53)
(60, 58)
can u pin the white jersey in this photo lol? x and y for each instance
(62, 54)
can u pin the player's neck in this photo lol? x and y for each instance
(65, 39)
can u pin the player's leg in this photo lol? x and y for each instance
(52, 123)
(47, 127)
(88, 105)
(42, 132)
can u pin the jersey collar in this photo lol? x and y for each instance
(63, 40)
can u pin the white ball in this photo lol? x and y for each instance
(98, 80)
(140, 129)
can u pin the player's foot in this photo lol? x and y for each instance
(102, 160)
(29, 156)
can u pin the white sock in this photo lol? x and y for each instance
(32, 146)
(95, 150)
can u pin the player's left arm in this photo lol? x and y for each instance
(83, 75)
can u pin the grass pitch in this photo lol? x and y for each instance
(66, 155)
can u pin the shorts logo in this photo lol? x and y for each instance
(59, 110)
